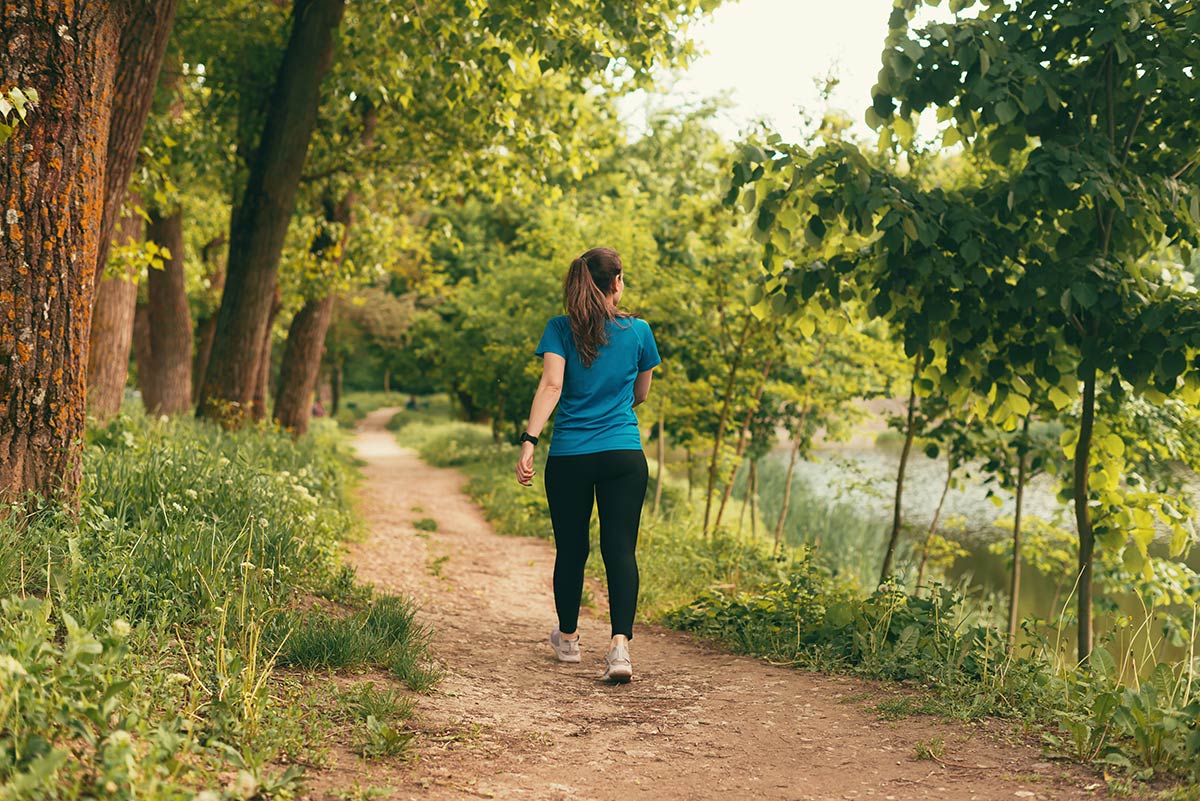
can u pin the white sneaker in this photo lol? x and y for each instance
(619, 667)
(565, 650)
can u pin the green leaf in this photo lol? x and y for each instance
(1006, 112)
(910, 228)
(1084, 295)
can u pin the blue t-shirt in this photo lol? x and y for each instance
(595, 410)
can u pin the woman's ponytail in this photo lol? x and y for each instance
(585, 295)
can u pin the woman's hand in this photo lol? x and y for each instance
(525, 464)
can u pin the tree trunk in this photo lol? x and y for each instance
(909, 433)
(139, 59)
(112, 334)
(1014, 589)
(742, 439)
(260, 220)
(336, 388)
(1083, 519)
(937, 515)
(258, 409)
(688, 451)
(302, 364)
(662, 463)
(206, 325)
(170, 319)
(387, 382)
(753, 498)
(143, 354)
(725, 403)
(787, 486)
(52, 175)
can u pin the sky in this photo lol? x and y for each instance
(766, 54)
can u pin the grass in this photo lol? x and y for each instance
(426, 524)
(141, 633)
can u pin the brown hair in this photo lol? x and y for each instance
(585, 294)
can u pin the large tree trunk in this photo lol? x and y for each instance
(206, 325)
(909, 433)
(112, 333)
(170, 319)
(260, 220)
(139, 60)
(306, 338)
(52, 175)
(1083, 519)
(302, 364)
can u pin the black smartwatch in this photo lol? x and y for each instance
(527, 437)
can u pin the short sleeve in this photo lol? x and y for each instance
(648, 357)
(552, 340)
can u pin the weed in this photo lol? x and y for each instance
(933, 748)
(436, 565)
(426, 524)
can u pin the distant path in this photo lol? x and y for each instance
(509, 722)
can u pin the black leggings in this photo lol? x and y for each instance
(617, 481)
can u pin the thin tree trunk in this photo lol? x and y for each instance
(937, 515)
(336, 386)
(387, 382)
(753, 498)
(743, 439)
(112, 333)
(910, 432)
(206, 325)
(1083, 520)
(1014, 589)
(787, 486)
(745, 502)
(662, 464)
(52, 173)
(258, 410)
(143, 354)
(725, 403)
(170, 318)
(261, 219)
(302, 364)
(688, 451)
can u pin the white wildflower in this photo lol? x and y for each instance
(191, 493)
(179, 678)
(120, 628)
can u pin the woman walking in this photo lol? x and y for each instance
(596, 367)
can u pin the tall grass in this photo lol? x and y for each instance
(138, 633)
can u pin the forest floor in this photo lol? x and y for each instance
(508, 721)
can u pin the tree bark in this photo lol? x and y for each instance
(170, 319)
(1083, 519)
(909, 433)
(143, 354)
(260, 220)
(112, 334)
(1014, 589)
(302, 364)
(139, 59)
(206, 326)
(725, 403)
(302, 356)
(258, 408)
(52, 176)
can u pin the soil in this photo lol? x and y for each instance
(508, 721)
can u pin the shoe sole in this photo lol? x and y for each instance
(619, 675)
(571, 658)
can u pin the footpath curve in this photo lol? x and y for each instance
(509, 722)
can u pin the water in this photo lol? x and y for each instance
(859, 483)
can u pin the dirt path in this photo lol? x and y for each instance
(509, 722)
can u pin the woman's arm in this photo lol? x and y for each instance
(641, 386)
(544, 400)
